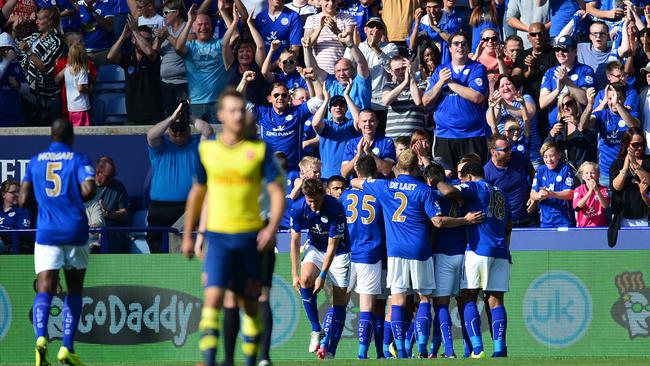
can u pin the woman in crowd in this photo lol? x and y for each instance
(629, 178)
(38, 53)
(553, 189)
(489, 52)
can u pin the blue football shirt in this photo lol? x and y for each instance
(383, 147)
(408, 206)
(55, 175)
(611, 127)
(283, 132)
(450, 241)
(489, 237)
(333, 140)
(554, 212)
(365, 226)
(581, 75)
(286, 27)
(328, 222)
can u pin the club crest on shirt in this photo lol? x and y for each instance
(478, 81)
(324, 219)
(284, 21)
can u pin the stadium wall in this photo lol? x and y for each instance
(591, 302)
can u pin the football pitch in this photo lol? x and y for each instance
(520, 361)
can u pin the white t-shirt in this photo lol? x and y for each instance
(155, 22)
(77, 102)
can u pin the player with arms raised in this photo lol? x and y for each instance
(487, 260)
(60, 179)
(233, 170)
(366, 227)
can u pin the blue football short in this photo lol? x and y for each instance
(232, 261)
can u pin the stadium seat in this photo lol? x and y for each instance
(110, 78)
(114, 108)
(97, 111)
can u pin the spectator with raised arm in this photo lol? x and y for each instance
(403, 98)
(430, 26)
(381, 148)
(377, 54)
(6, 10)
(97, 21)
(335, 132)
(521, 14)
(569, 76)
(142, 66)
(323, 31)
(287, 63)
(174, 156)
(345, 72)
(206, 74)
(279, 23)
(457, 93)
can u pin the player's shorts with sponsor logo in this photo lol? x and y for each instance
(449, 271)
(367, 279)
(339, 272)
(55, 257)
(233, 261)
(487, 273)
(404, 274)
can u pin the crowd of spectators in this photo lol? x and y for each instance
(551, 95)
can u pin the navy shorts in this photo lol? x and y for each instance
(232, 261)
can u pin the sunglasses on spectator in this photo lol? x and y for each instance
(491, 39)
(169, 11)
(536, 34)
(459, 43)
(283, 95)
(289, 61)
(512, 130)
(637, 145)
(569, 104)
(504, 149)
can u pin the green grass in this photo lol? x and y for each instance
(519, 361)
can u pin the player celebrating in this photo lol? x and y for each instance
(366, 227)
(60, 179)
(487, 260)
(233, 170)
(327, 252)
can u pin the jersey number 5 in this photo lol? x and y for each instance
(365, 206)
(54, 177)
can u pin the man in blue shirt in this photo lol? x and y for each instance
(457, 92)
(513, 174)
(60, 179)
(173, 153)
(334, 132)
(487, 259)
(368, 248)
(281, 123)
(97, 22)
(328, 253)
(206, 74)
(280, 23)
(569, 76)
(409, 207)
(344, 73)
(381, 148)
(429, 24)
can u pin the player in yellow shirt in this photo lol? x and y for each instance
(233, 170)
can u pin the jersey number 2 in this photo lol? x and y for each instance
(54, 177)
(403, 200)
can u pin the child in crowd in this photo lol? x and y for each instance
(310, 167)
(77, 86)
(287, 64)
(553, 188)
(590, 199)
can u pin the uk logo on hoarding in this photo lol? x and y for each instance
(285, 311)
(557, 309)
(5, 312)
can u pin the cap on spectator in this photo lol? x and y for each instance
(375, 21)
(5, 40)
(336, 100)
(645, 69)
(565, 43)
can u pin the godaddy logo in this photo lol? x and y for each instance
(632, 309)
(121, 315)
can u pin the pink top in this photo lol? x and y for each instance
(592, 213)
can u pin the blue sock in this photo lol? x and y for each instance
(423, 326)
(378, 335)
(71, 316)
(466, 342)
(499, 325)
(473, 326)
(397, 326)
(327, 328)
(445, 329)
(311, 307)
(408, 338)
(365, 333)
(388, 338)
(41, 314)
(436, 339)
(338, 324)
